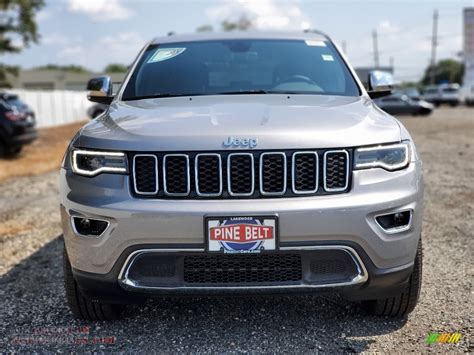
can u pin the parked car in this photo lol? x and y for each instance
(468, 94)
(96, 110)
(241, 163)
(404, 105)
(17, 124)
(443, 94)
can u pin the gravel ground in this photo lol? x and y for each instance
(34, 317)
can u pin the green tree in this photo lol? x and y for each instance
(446, 70)
(205, 28)
(18, 29)
(242, 24)
(116, 68)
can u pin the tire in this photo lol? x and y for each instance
(12, 152)
(453, 104)
(83, 307)
(405, 302)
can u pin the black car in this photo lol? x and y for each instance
(17, 124)
(404, 105)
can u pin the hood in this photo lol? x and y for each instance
(205, 122)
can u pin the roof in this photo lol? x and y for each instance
(210, 36)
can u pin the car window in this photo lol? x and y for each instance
(234, 66)
(450, 90)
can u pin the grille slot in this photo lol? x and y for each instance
(240, 174)
(272, 173)
(208, 174)
(176, 175)
(305, 176)
(336, 170)
(242, 269)
(145, 174)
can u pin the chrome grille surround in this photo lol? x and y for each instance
(165, 173)
(293, 173)
(256, 174)
(261, 175)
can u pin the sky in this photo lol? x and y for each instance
(94, 33)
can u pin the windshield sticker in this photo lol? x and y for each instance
(327, 58)
(315, 43)
(165, 54)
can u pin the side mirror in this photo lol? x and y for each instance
(100, 90)
(380, 84)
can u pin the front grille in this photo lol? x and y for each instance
(336, 169)
(241, 174)
(242, 269)
(255, 174)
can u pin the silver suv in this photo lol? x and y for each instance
(241, 163)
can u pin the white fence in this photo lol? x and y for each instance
(56, 107)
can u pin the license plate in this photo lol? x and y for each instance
(241, 234)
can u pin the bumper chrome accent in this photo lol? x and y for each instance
(361, 277)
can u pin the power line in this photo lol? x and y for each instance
(376, 48)
(434, 43)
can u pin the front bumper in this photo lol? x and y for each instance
(343, 220)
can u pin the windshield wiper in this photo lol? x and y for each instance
(242, 92)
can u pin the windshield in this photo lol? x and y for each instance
(240, 67)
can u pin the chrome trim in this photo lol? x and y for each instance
(293, 188)
(88, 236)
(188, 186)
(229, 187)
(123, 274)
(285, 177)
(156, 175)
(362, 271)
(347, 170)
(362, 276)
(196, 173)
(396, 229)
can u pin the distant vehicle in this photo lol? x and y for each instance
(468, 94)
(17, 124)
(404, 105)
(411, 92)
(96, 110)
(443, 94)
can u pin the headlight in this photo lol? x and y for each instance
(389, 157)
(91, 163)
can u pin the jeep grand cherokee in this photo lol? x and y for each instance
(239, 164)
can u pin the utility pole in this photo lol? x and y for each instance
(392, 64)
(376, 48)
(344, 47)
(434, 44)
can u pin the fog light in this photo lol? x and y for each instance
(89, 227)
(395, 222)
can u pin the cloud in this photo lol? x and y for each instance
(71, 52)
(119, 48)
(264, 14)
(100, 10)
(387, 28)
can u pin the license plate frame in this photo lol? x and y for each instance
(249, 248)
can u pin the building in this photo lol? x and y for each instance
(46, 79)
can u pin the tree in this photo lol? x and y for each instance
(242, 24)
(116, 68)
(446, 70)
(205, 28)
(18, 29)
